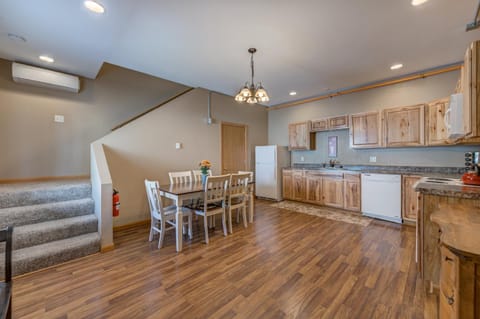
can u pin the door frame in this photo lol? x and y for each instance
(247, 162)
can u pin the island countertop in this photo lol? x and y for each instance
(447, 188)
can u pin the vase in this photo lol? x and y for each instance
(204, 178)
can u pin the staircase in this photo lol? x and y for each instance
(53, 222)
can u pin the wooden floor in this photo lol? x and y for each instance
(285, 265)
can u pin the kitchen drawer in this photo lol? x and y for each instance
(351, 177)
(320, 125)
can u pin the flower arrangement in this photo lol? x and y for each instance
(205, 166)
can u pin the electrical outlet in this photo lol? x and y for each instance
(302, 159)
(373, 159)
(59, 118)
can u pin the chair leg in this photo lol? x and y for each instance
(244, 213)
(190, 233)
(238, 216)
(9, 311)
(230, 220)
(205, 223)
(162, 234)
(224, 223)
(150, 238)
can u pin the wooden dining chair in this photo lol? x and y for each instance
(6, 286)
(214, 201)
(161, 216)
(250, 198)
(180, 177)
(237, 197)
(197, 174)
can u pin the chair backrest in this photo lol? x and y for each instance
(247, 172)
(180, 177)
(216, 188)
(154, 200)
(6, 236)
(238, 186)
(197, 174)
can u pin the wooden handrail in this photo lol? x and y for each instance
(411, 77)
(152, 109)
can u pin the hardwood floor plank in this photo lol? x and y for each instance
(284, 265)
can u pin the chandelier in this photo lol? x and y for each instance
(252, 93)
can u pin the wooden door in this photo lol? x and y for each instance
(405, 126)
(300, 136)
(435, 127)
(332, 190)
(234, 148)
(351, 192)
(287, 184)
(299, 186)
(314, 189)
(411, 199)
(365, 130)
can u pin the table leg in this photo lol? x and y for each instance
(179, 228)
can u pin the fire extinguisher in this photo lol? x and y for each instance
(116, 203)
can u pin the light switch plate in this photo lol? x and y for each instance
(178, 146)
(59, 118)
(373, 159)
(302, 159)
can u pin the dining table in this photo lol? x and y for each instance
(183, 192)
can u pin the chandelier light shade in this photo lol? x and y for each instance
(250, 92)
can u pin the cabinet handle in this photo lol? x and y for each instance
(450, 300)
(448, 258)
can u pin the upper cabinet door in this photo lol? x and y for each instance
(435, 125)
(338, 122)
(405, 126)
(320, 125)
(365, 130)
(300, 136)
(471, 90)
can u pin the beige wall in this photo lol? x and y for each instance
(407, 93)
(34, 146)
(145, 148)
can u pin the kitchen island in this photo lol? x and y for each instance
(448, 206)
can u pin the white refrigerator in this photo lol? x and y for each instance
(269, 161)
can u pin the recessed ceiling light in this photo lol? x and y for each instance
(46, 58)
(418, 2)
(16, 37)
(396, 66)
(94, 6)
(292, 93)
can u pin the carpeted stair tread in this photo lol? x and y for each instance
(31, 214)
(24, 194)
(48, 254)
(37, 234)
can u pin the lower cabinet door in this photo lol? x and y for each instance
(332, 190)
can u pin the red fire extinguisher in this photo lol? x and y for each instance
(116, 203)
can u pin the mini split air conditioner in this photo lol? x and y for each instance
(45, 78)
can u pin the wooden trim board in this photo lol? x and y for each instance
(132, 225)
(376, 85)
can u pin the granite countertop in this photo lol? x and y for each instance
(459, 230)
(447, 172)
(452, 188)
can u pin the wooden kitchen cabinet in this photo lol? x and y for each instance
(287, 184)
(366, 130)
(352, 192)
(405, 126)
(299, 188)
(332, 191)
(471, 91)
(411, 200)
(436, 130)
(314, 189)
(300, 136)
(320, 125)
(338, 122)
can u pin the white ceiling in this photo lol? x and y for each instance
(304, 45)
